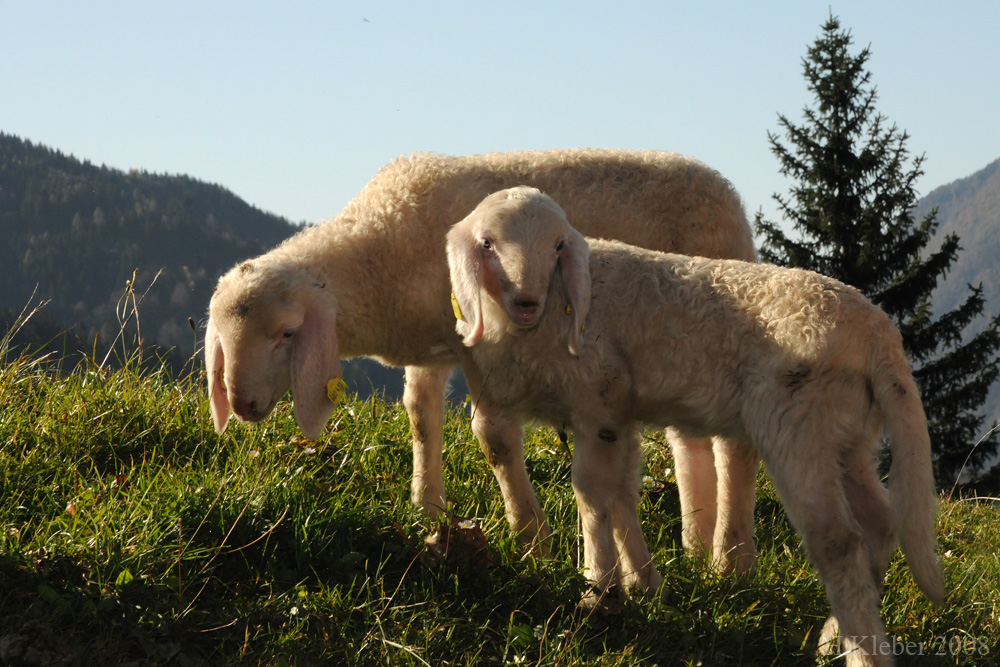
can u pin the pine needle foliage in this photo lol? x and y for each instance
(851, 205)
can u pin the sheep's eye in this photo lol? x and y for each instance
(562, 244)
(288, 335)
(486, 244)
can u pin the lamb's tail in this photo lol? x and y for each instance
(911, 476)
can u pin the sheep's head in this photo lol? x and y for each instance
(502, 259)
(271, 327)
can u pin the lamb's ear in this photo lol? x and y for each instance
(465, 264)
(574, 264)
(215, 365)
(315, 363)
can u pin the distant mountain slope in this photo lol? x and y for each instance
(78, 232)
(970, 207)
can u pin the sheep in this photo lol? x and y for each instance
(373, 282)
(602, 338)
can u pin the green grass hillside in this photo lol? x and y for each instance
(131, 534)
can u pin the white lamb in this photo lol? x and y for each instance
(796, 366)
(374, 282)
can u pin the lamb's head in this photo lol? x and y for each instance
(271, 327)
(503, 257)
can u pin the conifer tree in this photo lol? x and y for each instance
(852, 207)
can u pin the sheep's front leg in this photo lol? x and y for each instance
(599, 470)
(423, 397)
(502, 440)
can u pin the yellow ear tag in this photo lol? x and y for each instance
(336, 389)
(455, 307)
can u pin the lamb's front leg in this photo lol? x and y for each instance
(423, 397)
(599, 469)
(501, 438)
(636, 569)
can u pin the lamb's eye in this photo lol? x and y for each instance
(562, 244)
(288, 334)
(486, 244)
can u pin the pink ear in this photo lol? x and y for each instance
(574, 264)
(466, 267)
(315, 361)
(215, 364)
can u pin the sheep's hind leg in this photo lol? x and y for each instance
(694, 466)
(423, 397)
(736, 466)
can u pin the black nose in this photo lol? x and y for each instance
(247, 410)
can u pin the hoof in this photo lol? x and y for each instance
(602, 603)
(739, 562)
(459, 541)
(828, 638)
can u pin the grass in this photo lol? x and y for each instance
(131, 534)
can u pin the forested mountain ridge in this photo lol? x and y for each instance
(970, 207)
(77, 232)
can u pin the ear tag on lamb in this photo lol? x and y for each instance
(455, 307)
(336, 389)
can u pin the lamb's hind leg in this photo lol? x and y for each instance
(870, 504)
(423, 397)
(869, 501)
(812, 491)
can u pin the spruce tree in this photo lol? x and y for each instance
(852, 207)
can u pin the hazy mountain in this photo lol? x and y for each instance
(970, 207)
(74, 234)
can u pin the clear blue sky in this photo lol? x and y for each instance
(294, 106)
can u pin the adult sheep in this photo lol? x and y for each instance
(374, 282)
(603, 338)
